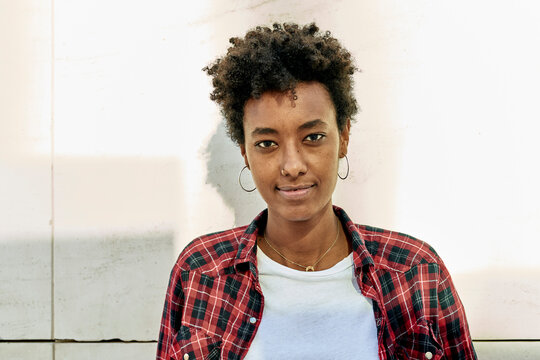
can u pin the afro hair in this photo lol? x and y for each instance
(278, 59)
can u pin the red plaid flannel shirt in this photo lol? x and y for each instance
(214, 302)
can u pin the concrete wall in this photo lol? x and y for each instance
(112, 157)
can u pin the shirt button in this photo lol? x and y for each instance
(429, 355)
(252, 320)
(186, 356)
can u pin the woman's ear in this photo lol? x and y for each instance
(244, 154)
(344, 139)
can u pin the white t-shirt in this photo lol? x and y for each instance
(313, 315)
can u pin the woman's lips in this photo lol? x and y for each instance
(295, 192)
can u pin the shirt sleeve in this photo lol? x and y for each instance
(453, 326)
(172, 310)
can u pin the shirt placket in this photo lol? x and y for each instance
(253, 318)
(368, 289)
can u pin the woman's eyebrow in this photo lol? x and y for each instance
(311, 124)
(263, 131)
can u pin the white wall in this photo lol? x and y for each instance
(112, 156)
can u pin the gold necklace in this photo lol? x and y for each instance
(309, 267)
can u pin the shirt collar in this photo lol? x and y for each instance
(247, 250)
(361, 256)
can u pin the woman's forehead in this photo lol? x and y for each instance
(307, 102)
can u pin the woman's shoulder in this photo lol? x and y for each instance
(395, 249)
(210, 251)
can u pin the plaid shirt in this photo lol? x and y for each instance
(214, 301)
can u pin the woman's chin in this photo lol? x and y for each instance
(298, 213)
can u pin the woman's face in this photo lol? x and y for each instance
(292, 148)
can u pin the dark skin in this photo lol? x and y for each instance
(292, 147)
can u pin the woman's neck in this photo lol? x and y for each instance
(304, 242)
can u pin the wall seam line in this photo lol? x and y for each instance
(52, 176)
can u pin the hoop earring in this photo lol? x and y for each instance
(347, 174)
(240, 180)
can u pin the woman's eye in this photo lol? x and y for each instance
(314, 137)
(265, 144)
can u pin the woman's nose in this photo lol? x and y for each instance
(293, 163)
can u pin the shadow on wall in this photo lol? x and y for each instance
(25, 288)
(111, 285)
(113, 237)
(114, 240)
(223, 164)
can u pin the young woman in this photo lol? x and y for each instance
(303, 281)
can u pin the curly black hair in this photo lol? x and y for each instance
(276, 60)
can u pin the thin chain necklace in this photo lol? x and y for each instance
(309, 267)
